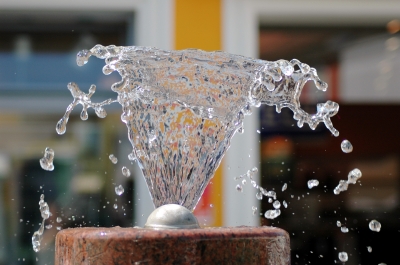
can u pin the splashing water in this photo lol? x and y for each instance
(38, 235)
(343, 256)
(182, 108)
(113, 159)
(270, 214)
(352, 178)
(47, 161)
(119, 190)
(312, 183)
(375, 226)
(346, 146)
(83, 99)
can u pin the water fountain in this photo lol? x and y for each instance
(181, 109)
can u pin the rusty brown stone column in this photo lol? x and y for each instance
(120, 246)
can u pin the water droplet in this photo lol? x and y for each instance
(346, 146)
(254, 184)
(353, 176)
(339, 224)
(244, 182)
(375, 226)
(343, 256)
(115, 206)
(100, 112)
(84, 115)
(249, 174)
(369, 249)
(312, 183)
(45, 213)
(270, 200)
(239, 188)
(284, 204)
(36, 239)
(126, 172)
(258, 131)
(61, 126)
(58, 228)
(276, 204)
(272, 214)
(59, 220)
(284, 187)
(113, 159)
(49, 226)
(254, 209)
(119, 190)
(344, 229)
(259, 195)
(272, 194)
(82, 57)
(47, 161)
(286, 67)
(342, 186)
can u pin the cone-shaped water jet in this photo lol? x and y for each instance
(182, 108)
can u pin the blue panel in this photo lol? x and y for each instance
(51, 71)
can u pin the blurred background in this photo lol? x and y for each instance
(354, 45)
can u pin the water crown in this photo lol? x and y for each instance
(183, 107)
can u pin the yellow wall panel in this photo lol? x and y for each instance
(198, 25)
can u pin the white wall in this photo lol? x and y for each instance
(240, 36)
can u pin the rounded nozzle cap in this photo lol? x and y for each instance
(171, 216)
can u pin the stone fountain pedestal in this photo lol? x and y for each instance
(222, 245)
